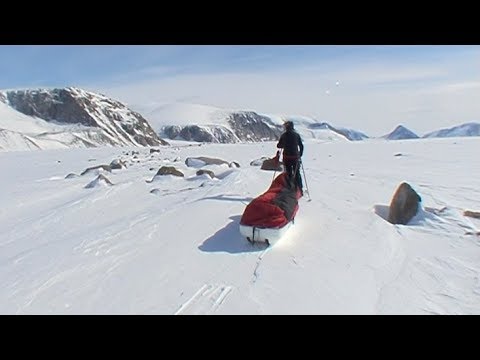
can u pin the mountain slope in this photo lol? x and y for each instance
(468, 129)
(401, 133)
(202, 123)
(74, 117)
(332, 132)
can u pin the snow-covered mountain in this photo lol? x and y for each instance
(349, 134)
(69, 117)
(468, 129)
(203, 123)
(401, 133)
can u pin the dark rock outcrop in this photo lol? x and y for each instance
(169, 170)
(99, 180)
(472, 214)
(96, 168)
(208, 172)
(116, 124)
(205, 133)
(250, 126)
(404, 205)
(244, 126)
(71, 176)
(272, 164)
(117, 164)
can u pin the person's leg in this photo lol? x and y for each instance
(298, 178)
(290, 169)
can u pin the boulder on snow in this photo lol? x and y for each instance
(208, 172)
(404, 205)
(71, 176)
(472, 214)
(202, 161)
(169, 170)
(99, 181)
(117, 164)
(154, 151)
(96, 169)
(272, 164)
(234, 164)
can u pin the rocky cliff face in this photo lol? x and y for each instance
(241, 127)
(115, 124)
(249, 126)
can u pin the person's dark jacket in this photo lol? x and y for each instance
(291, 143)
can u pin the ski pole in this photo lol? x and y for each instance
(306, 184)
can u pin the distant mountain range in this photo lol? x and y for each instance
(467, 129)
(72, 117)
(194, 122)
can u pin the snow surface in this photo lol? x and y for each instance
(182, 114)
(13, 120)
(173, 246)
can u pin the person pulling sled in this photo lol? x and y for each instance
(292, 145)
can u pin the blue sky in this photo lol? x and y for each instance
(419, 86)
(39, 65)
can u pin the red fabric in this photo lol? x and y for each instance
(261, 212)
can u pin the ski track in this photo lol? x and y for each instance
(205, 301)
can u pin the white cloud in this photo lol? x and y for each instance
(373, 96)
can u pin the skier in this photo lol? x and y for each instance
(292, 145)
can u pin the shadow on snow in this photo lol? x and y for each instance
(228, 239)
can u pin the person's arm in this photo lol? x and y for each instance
(300, 145)
(281, 142)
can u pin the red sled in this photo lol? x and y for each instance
(268, 217)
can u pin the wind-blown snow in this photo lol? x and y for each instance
(173, 246)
